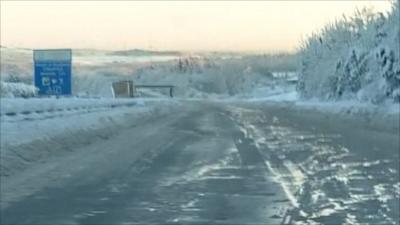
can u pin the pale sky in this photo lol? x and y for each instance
(263, 26)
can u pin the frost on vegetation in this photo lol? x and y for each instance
(356, 57)
(199, 75)
(8, 89)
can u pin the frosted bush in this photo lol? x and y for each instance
(195, 76)
(352, 57)
(17, 90)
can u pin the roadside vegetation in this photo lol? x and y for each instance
(355, 57)
(201, 75)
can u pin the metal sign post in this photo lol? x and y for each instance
(53, 71)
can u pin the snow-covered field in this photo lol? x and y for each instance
(105, 59)
(194, 75)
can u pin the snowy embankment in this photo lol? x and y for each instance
(38, 106)
(33, 130)
(352, 108)
(385, 115)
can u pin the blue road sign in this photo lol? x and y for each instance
(53, 71)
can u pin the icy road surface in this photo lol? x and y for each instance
(214, 163)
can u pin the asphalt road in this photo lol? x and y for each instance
(202, 165)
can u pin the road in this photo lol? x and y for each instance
(211, 163)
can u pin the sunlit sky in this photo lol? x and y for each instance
(264, 26)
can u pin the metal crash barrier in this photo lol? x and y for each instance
(127, 89)
(123, 89)
(171, 88)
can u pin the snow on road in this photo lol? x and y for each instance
(188, 170)
(334, 172)
(51, 116)
(329, 168)
(34, 129)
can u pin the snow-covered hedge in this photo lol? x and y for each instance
(197, 76)
(354, 58)
(8, 89)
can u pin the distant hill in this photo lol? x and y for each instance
(140, 52)
(129, 52)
